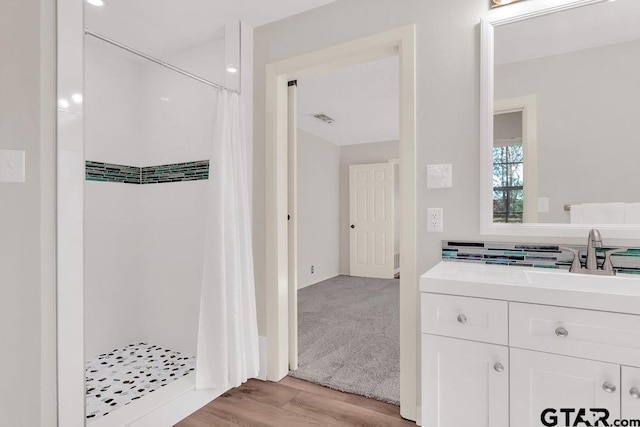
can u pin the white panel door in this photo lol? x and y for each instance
(464, 383)
(630, 393)
(548, 382)
(371, 194)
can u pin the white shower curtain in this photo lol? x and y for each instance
(228, 330)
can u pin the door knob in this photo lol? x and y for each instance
(462, 318)
(353, 226)
(635, 393)
(499, 367)
(562, 332)
(609, 387)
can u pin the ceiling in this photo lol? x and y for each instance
(163, 27)
(363, 100)
(576, 29)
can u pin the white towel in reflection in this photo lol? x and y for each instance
(632, 213)
(598, 213)
(575, 215)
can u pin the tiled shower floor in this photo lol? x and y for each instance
(125, 374)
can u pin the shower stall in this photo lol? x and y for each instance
(148, 112)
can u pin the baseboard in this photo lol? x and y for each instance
(331, 276)
(178, 409)
(262, 346)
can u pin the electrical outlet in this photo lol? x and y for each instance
(312, 269)
(435, 220)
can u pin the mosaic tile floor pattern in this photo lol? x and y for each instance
(123, 375)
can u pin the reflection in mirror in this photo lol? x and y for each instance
(508, 167)
(567, 101)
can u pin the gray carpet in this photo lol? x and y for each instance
(349, 336)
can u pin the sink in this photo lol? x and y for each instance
(581, 282)
(619, 293)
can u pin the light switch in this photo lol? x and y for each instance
(12, 166)
(440, 176)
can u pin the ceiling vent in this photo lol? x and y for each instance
(323, 117)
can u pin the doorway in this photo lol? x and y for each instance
(280, 304)
(345, 136)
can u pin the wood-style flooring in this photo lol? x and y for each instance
(293, 402)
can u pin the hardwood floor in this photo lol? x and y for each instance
(293, 402)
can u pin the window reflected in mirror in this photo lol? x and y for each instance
(508, 168)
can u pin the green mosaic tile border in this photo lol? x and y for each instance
(534, 255)
(176, 172)
(109, 172)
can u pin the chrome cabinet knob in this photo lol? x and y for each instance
(609, 387)
(499, 367)
(562, 332)
(635, 393)
(462, 318)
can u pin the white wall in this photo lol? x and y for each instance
(587, 109)
(376, 152)
(176, 130)
(144, 243)
(318, 209)
(113, 211)
(143, 250)
(20, 220)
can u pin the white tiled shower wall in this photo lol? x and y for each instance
(143, 244)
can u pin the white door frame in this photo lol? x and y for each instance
(400, 42)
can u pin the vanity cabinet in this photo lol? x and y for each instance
(501, 362)
(539, 381)
(468, 383)
(630, 393)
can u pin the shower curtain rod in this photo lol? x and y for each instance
(157, 61)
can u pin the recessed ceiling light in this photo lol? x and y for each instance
(77, 98)
(95, 2)
(63, 103)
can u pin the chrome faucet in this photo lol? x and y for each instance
(591, 264)
(595, 241)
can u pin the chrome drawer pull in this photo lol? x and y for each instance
(462, 318)
(562, 332)
(635, 393)
(608, 387)
(499, 367)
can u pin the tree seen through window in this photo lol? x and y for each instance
(508, 184)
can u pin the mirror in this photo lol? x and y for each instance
(561, 145)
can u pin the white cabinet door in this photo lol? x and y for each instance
(630, 393)
(547, 382)
(464, 383)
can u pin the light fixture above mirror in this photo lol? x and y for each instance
(498, 3)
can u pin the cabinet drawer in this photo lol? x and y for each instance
(610, 337)
(468, 318)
